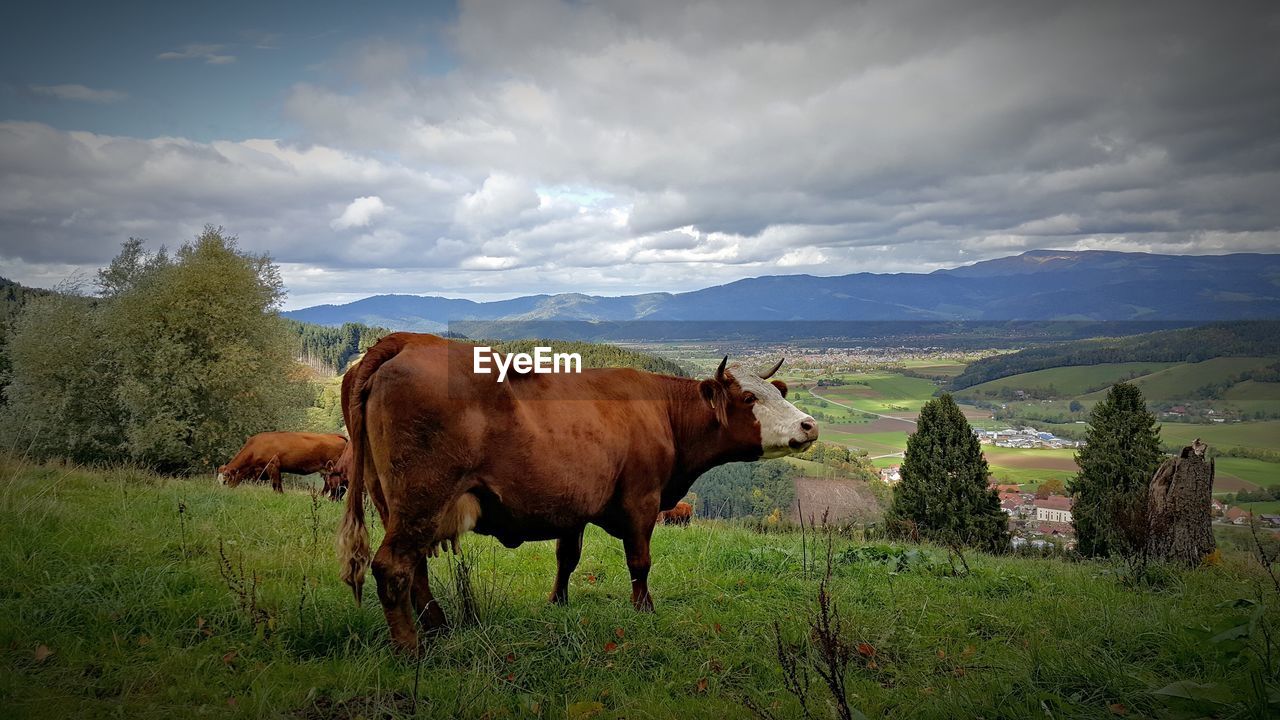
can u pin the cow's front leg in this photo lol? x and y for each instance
(568, 553)
(273, 471)
(637, 547)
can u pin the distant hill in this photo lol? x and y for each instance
(1036, 285)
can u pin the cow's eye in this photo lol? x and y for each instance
(748, 398)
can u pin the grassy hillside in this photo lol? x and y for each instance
(1222, 339)
(1222, 436)
(1179, 382)
(114, 604)
(1253, 397)
(1065, 381)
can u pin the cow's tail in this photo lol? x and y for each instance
(353, 536)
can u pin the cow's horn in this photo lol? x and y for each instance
(720, 370)
(772, 370)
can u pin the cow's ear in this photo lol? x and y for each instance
(713, 392)
(782, 387)
(708, 390)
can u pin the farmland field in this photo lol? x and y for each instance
(881, 392)
(1254, 472)
(115, 603)
(1255, 435)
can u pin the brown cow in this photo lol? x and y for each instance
(443, 450)
(271, 453)
(335, 476)
(681, 514)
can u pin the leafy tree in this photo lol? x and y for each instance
(178, 361)
(128, 269)
(60, 401)
(1052, 486)
(746, 489)
(944, 493)
(1075, 406)
(1121, 451)
(205, 359)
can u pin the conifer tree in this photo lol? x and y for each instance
(944, 493)
(1121, 452)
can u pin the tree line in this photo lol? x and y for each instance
(332, 348)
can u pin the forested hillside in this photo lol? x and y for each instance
(332, 348)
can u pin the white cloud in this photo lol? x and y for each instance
(497, 204)
(78, 93)
(359, 213)
(211, 54)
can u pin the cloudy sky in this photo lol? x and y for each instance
(492, 149)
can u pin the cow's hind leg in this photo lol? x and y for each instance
(568, 553)
(426, 607)
(393, 568)
(636, 545)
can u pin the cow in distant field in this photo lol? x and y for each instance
(443, 450)
(271, 453)
(681, 514)
(335, 476)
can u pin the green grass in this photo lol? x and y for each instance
(875, 443)
(1257, 435)
(881, 392)
(1067, 381)
(100, 569)
(1269, 507)
(1258, 472)
(127, 595)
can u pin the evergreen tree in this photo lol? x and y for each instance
(944, 493)
(1121, 452)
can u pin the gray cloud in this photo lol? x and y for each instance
(78, 93)
(623, 147)
(211, 54)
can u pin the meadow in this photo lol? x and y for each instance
(127, 594)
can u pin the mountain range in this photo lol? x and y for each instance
(1036, 285)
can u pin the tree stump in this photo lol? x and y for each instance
(1179, 499)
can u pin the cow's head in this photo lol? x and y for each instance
(755, 411)
(228, 478)
(335, 479)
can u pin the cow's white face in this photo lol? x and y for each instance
(784, 428)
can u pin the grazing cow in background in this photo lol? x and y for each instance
(443, 450)
(681, 514)
(272, 453)
(335, 475)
